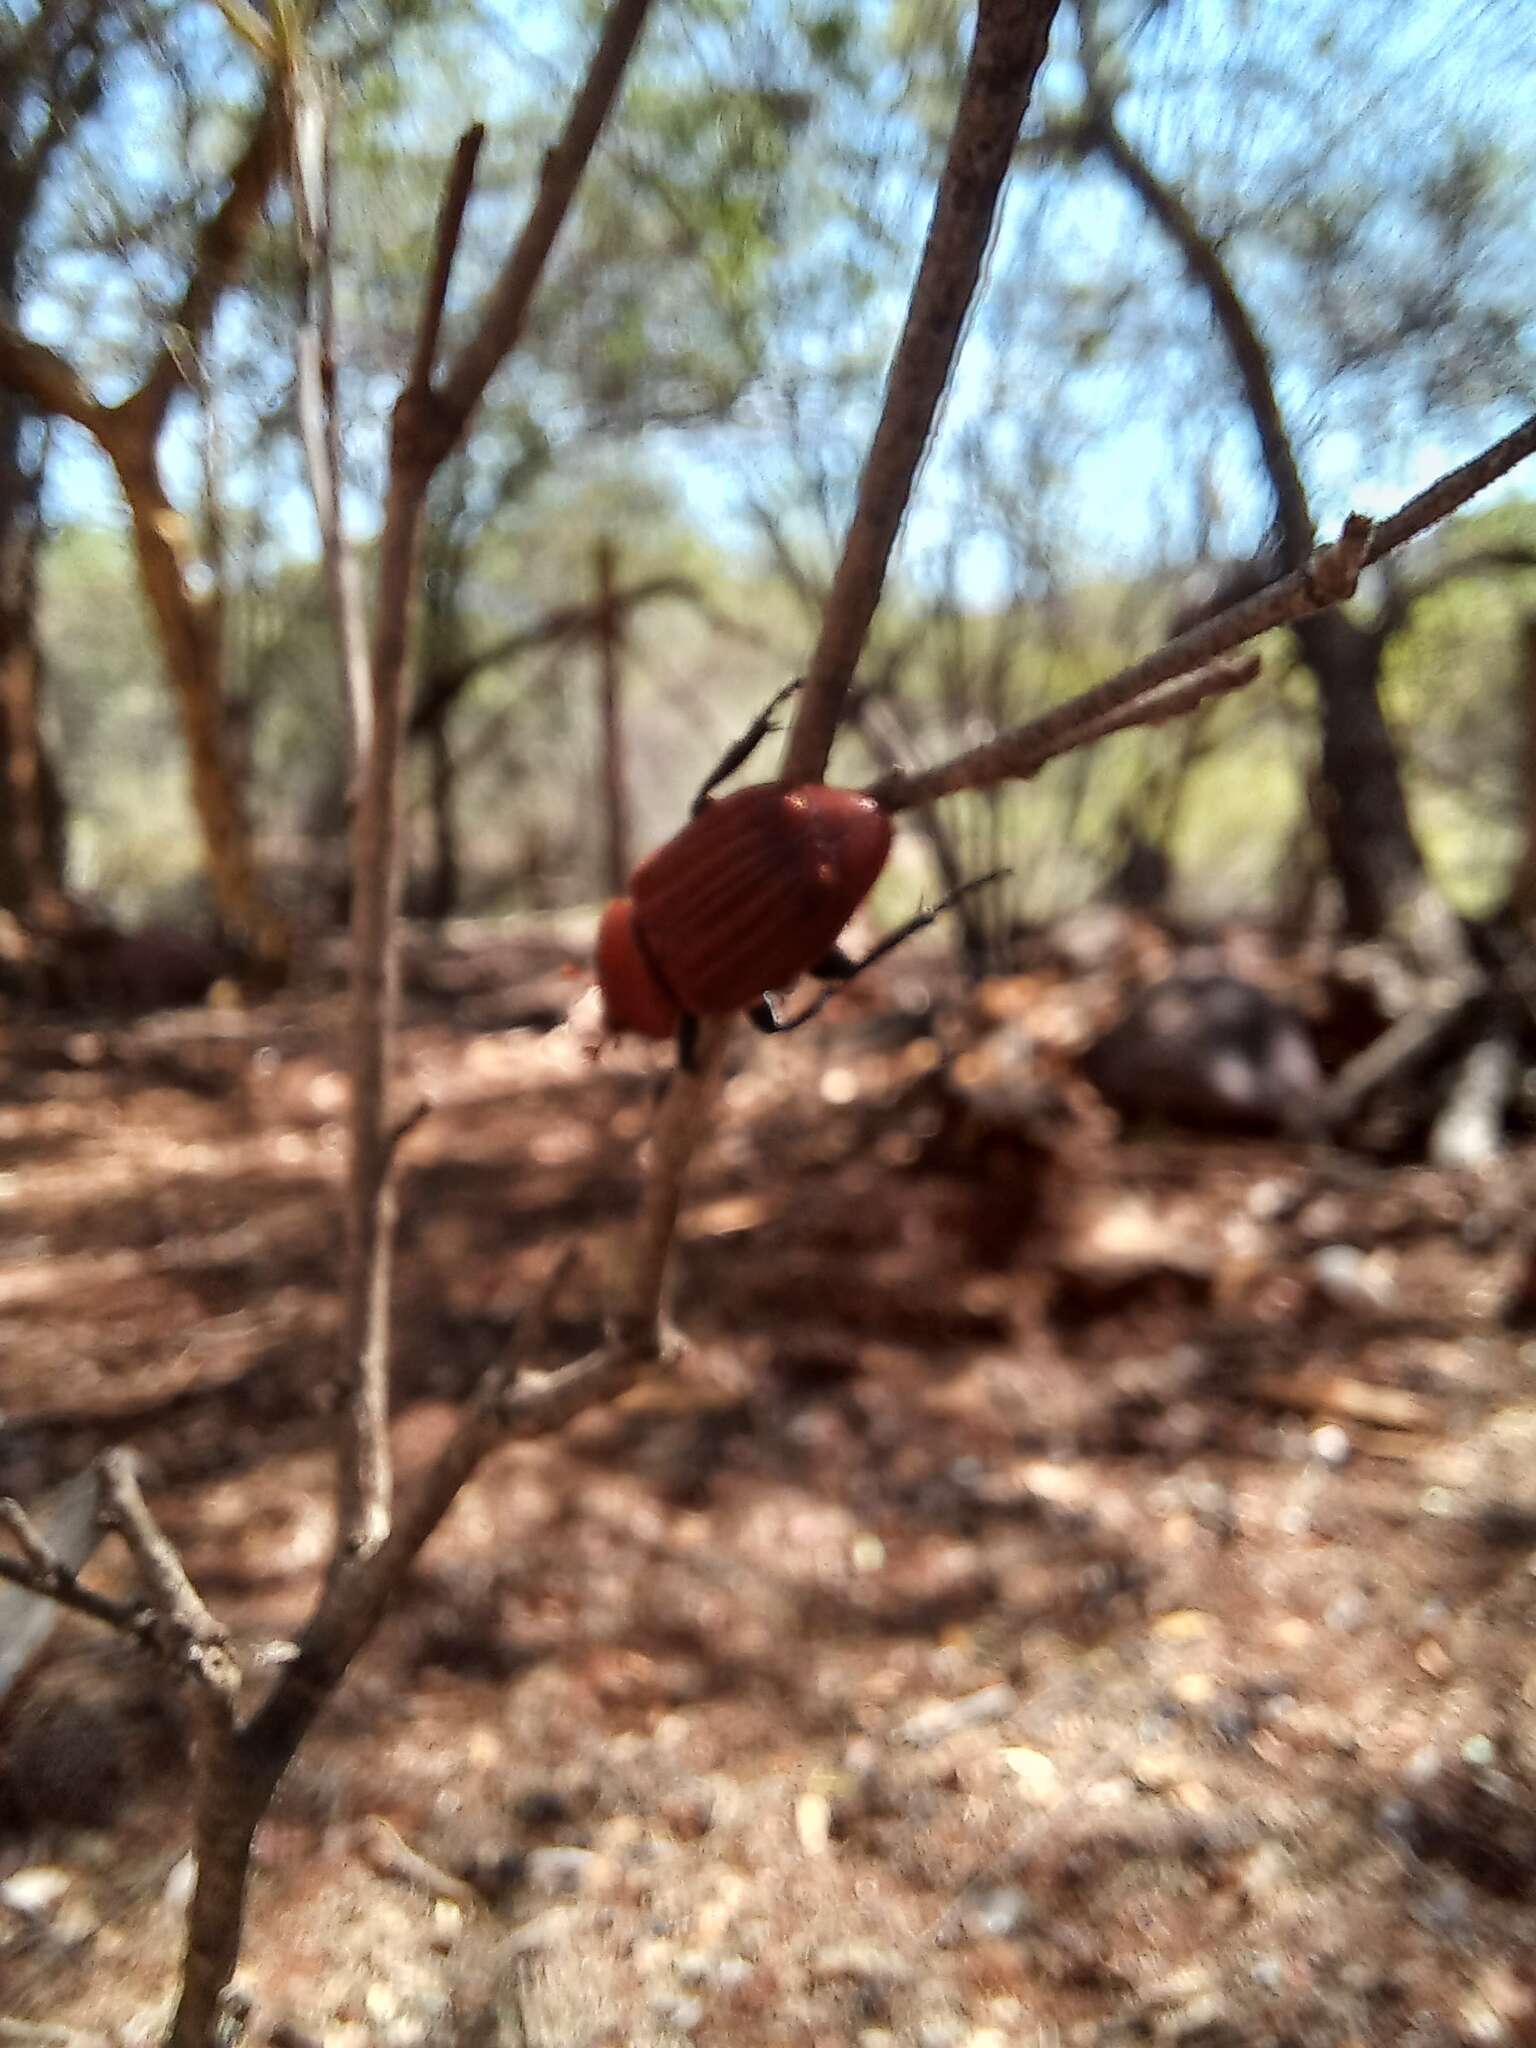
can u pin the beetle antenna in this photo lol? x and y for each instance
(740, 751)
(838, 970)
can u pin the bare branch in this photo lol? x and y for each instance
(1327, 579)
(445, 246)
(1250, 357)
(564, 622)
(1450, 492)
(1204, 687)
(428, 421)
(1009, 48)
(185, 1632)
(311, 181)
(506, 310)
(221, 248)
(42, 1571)
(45, 380)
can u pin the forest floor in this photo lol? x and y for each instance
(1075, 1589)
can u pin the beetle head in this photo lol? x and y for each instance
(633, 998)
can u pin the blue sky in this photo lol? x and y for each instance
(1439, 53)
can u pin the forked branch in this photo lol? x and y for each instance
(1329, 578)
(1008, 50)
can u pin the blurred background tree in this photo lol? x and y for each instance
(1244, 281)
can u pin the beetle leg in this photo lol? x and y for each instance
(837, 970)
(688, 1042)
(740, 751)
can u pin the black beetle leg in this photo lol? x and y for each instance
(688, 1043)
(837, 970)
(740, 751)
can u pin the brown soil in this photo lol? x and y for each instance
(1074, 1590)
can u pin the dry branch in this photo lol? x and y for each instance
(311, 181)
(1326, 580)
(239, 1765)
(45, 380)
(1008, 50)
(41, 1571)
(429, 418)
(188, 1636)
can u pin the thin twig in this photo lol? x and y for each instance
(510, 296)
(428, 421)
(1009, 47)
(365, 1482)
(1326, 580)
(41, 1571)
(28, 1536)
(445, 245)
(187, 1632)
(311, 181)
(1447, 494)
(1204, 687)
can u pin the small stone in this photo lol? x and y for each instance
(545, 1930)
(1432, 1659)
(380, 2002)
(1349, 1280)
(1182, 1625)
(860, 1962)
(36, 1889)
(934, 1723)
(562, 1869)
(813, 1822)
(1347, 1611)
(940, 2032)
(682, 2015)
(995, 1912)
(1156, 1770)
(1481, 2023)
(1331, 1445)
(1266, 1870)
(1203, 2024)
(1478, 1752)
(1035, 1773)
(179, 1880)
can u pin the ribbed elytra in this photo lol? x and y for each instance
(750, 895)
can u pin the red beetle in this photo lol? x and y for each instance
(748, 896)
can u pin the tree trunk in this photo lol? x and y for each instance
(1370, 837)
(1371, 843)
(611, 710)
(444, 881)
(31, 808)
(1523, 890)
(232, 1792)
(190, 630)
